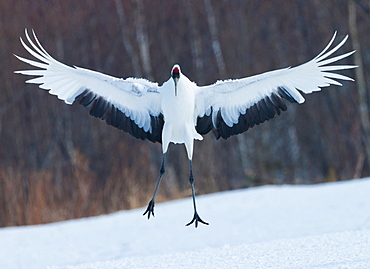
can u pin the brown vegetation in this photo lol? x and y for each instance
(57, 162)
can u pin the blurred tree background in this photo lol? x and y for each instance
(57, 162)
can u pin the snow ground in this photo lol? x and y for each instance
(318, 226)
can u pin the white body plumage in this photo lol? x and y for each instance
(179, 113)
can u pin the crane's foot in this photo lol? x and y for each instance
(197, 219)
(150, 209)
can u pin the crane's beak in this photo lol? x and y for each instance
(175, 73)
(175, 80)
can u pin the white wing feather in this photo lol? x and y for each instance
(234, 97)
(137, 98)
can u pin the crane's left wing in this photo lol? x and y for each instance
(132, 104)
(233, 106)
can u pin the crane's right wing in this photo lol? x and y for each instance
(132, 104)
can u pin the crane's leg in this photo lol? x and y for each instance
(196, 217)
(150, 208)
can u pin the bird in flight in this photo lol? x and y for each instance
(180, 111)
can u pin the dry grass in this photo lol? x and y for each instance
(36, 197)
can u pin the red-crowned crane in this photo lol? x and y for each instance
(179, 111)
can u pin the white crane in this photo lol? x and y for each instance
(179, 111)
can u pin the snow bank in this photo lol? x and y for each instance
(318, 226)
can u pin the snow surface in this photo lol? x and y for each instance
(317, 226)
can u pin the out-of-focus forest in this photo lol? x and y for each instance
(57, 162)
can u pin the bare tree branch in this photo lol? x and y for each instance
(142, 39)
(360, 78)
(216, 45)
(125, 39)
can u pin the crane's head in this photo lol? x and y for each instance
(175, 74)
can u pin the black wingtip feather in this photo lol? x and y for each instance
(286, 95)
(86, 98)
(278, 103)
(204, 124)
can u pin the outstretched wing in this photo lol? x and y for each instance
(233, 106)
(132, 105)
